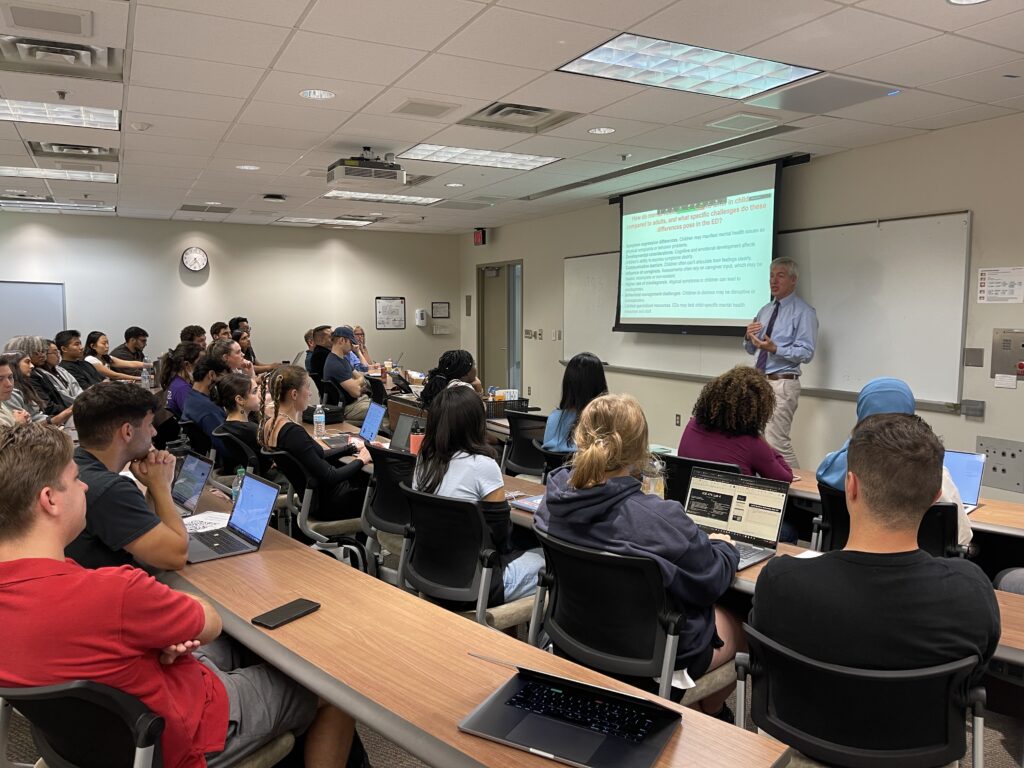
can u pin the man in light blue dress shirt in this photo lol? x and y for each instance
(782, 337)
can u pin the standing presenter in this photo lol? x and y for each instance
(782, 337)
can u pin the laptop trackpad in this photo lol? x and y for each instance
(567, 741)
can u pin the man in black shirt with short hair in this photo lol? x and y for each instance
(133, 349)
(73, 360)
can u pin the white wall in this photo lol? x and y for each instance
(122, 272)
(976, 167)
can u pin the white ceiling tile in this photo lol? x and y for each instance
(210, 38)
(395, 22)
(575, 169)
(907, 105)
(661, 105)
(1007, 31)
(12, 147)
(129, 183)
(474, 177)
(612, 153)
(562, 90)
(23, 86)
(677, 138)
(937, 59)
(777, 115)
(287, 116)
(696, 165)
(314, 54)
(142, 213)
(942, 15)
(466, 77)
(168, 144)
(525, 39)
(109, 23)
(972, 114)
(9, 131)
(474, 138)
(989, 85)
(604, 13)
(815, 150)
(175, 73)
(624, 129)
(1016, 103)
(226, 167)
(382, 132)
(840, 39)
(159, 101)
(395, 98)
(262, 135)
(163, 159)
(551, 146)
(281, 13)
(730, 25)
(526, 184)
(244, 152)
(182, 127)
(193, 216)
(850, 133)
(284, 88)
(155, 173)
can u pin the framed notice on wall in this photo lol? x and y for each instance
(440, 309)
(390, 313)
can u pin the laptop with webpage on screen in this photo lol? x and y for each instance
(748, 509)
(188, 485)
(372, 421)
(967, 471)
(245, 528)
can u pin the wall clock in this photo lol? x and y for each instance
(195, 259)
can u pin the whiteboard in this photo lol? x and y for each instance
(891, 298)
(31, 309)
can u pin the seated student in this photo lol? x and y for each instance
(242, 338)
(176, 374)
(193, 334)
(338, 369)
(220, 330)
(882, 603)
(26, 398)
(582, 381)
(339, 488)
(49, 380)
(239, 396)
(200, 406)
(308, 338)
(361, 349)
(72, 359)
(122, 628)
(456, 461)
(130, 357)
(597, 502)
(96, 352)
(229, 353)
(9, 415)
(321, 349)
(115, 427)
(885, 395)
(453, 365)
(355, 355)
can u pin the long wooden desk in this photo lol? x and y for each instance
(402, 666)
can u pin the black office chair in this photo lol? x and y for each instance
(168, 430)
(385, 509)
(552, 459)
(237, 452)
(521, 457)
(678, 470)
(318, 383)
(861, 718)
(938, 534)
(331, 393)
(198, 440)
(378, 393)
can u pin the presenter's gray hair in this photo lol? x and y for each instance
(789, 264)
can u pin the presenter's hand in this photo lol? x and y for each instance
(765, 343)
(753, 329)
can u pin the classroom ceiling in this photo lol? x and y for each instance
(210, 85)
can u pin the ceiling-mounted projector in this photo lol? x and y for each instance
(366, 172)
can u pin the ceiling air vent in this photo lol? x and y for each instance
(742, 122)
(15, 195)
(488, 199)
(412, 179)
(47, 18)
(418, 108)
(519, 118)
(206, 209)
(53, 149)
(45, 57)
(459, 206)
(315, 173)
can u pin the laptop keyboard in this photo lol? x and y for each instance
(746, 550)
(220, 541)
(590, 711)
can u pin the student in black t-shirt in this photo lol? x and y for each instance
(320, 350)
(130, 357)
(72, 354)
(882, 603)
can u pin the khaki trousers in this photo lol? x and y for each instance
(787, 397)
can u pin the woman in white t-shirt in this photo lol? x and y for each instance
(456, 461)
(97, 352)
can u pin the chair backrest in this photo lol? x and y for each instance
(332, 393)
(378, 393)
(318, 383)
(82, 724)
(552, 459)
(167, 431)
(678, 470)
(198, 439)
(523, 457)
(302, 483)
(606, 611)
(860, 717)
(238, 452)
(388, 509)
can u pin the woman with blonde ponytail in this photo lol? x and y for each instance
(597, 502)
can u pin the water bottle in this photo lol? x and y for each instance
(319, 422)
(144, 379)
(236, 485)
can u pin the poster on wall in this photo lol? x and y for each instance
(390, 313)
(1001, 285)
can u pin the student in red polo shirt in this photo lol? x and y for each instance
(122, 628)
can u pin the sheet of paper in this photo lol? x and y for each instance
(1001, 285)
(207, 521)
(1006, 381)
(809, 553)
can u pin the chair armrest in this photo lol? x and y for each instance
(544, 579)
(409, 532)
(976, 700)
(148, 729)
(818, 523)
(671, 620)
(742, 665)
(489, 558)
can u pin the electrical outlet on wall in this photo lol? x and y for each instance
(1004, 463)
(540, 334)
(679, 420)
(529, 391)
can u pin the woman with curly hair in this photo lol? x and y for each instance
(453, 366)
(728, 424)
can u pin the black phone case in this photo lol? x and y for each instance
(283, 614)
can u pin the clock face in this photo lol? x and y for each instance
(195, 259)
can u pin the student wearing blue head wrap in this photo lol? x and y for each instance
(886, 395)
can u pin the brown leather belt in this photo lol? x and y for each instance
(786, 376)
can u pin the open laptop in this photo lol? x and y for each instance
(748, 509)
(188, 485)
(372, 421)
(245, 528)
(406, 424)
(967, 471)
(573, 722)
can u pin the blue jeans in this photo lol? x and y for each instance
(520, 576)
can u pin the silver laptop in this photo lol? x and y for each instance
(406, 424)
(245, 528)
(967, 471)
(372, 421)
(191, 480)
(748, 509)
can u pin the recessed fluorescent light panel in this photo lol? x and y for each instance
(30, 206)
(58, 175)
(317, 94)
(328, 222)
(60, 114)
(463, 156)
(374, 197)
(664, 64)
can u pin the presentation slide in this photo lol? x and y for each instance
(695, 256)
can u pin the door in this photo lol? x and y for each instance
(500, 357)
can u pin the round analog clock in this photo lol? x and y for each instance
(195, 259)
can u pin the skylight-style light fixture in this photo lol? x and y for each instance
(317, 94)
(60, 114)
(601, 131)
(677, 66)
(374, 197)
(54, 174)
(247, 167)
(436, 153)
(328, 222)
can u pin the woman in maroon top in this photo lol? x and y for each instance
(728, 425)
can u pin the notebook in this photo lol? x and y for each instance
(372, 421)
(245, 528)
(406, 424)
(188, 485)
(967, 471)
(573, 722)
(748, 509)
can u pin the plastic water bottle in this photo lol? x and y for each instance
(319, 423)
(236, 485)
(144, 379)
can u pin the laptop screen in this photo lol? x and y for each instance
(191, 480)
(253, 508)
(371, 422)
(966, 469)
(747, 508)
(406, 423)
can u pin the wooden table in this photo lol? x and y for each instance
(402, 666)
